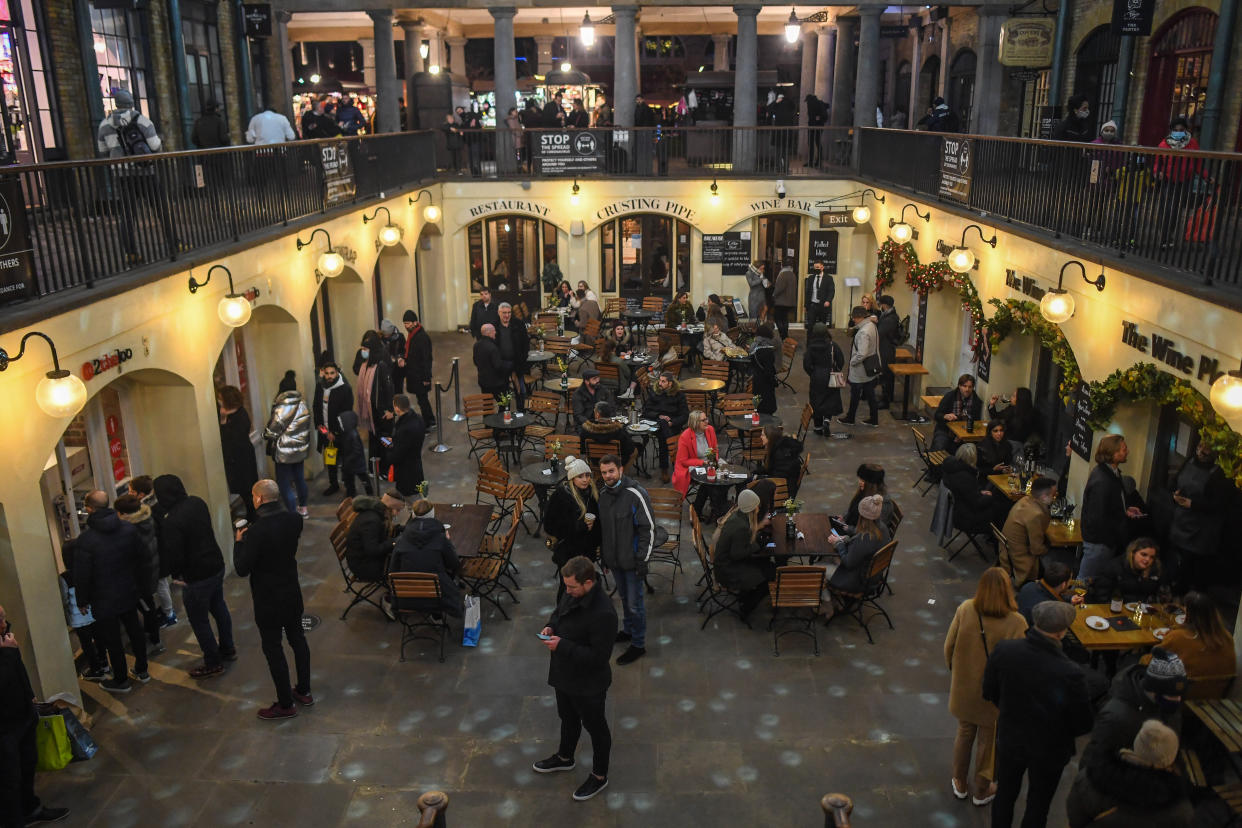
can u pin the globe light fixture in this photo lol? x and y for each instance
(1058, 306)
(862, 214)
(566, 66)
(961, 258)
(792, 27)
(234, 309)
(900, 230)
(315, 78)
(586, 32)
(1226, 395)
(390, 233)
(715, 192)
(434, 68)
(431, 213)
(331, 263)
(59, 393)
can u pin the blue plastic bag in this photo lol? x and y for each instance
(473, 625)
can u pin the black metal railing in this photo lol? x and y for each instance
(90, 220)
(1178, 210)
(650, 152)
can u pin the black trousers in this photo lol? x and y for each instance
(422, 393)
(274, 652)
(887, 383)
(577, 712)
(664, 430)
(862, 391)
(817, 313)
(152, 618)
(109, 635)
(92, 648)
(782, 319)
(18, 756)
(1013, 760)
(714, 495)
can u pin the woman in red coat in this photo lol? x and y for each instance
(692, 446)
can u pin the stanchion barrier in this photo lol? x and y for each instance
(440, 446)
(455, 384)
(375, 475)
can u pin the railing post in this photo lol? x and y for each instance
(432, 809)
(454, 380)
(837, 809)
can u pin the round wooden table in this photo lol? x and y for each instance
(702, 384)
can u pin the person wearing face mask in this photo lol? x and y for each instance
(375, 391)
(1076, 126)
(1181, 182)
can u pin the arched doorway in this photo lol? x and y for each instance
(644, 254)
(961, 95)
(342, 312)
(507, 255)
(395, 284)
(1096, 75)
(1177, 76)
(780, 242)
(929, 85)
(901, 96)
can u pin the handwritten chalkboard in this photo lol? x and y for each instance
(1081, 435)
(736, 257)
(823, 247)
(983, 361)
(713, 248)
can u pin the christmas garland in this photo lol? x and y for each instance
(928, 278)
(1145, 381)
(1024, 317)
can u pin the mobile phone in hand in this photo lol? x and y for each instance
(387, 441)
(543, 637)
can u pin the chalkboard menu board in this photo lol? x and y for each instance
(1081, 435)
(823, 247)
(713, 248)
(983, 363)
(736, 256)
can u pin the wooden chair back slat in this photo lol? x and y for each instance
(799, 586)
(414, 585)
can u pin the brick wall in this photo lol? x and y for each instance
(227, 14)
(165, 82)
(70, 88)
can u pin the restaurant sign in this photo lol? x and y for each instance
(1164, 349)
(1026, 41)
(645, 205)
(956, 164)
(1133, 17)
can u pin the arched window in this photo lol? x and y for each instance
(1177, 78)
(507, 255)
(641, 255)
(902, 92)
(929, 85)
(961, 97)
(1096, 75)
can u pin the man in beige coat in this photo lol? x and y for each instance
(1024, 530)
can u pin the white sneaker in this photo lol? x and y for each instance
(303, 512)
(628, 395)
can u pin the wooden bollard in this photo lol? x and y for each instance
(432, 807)
(837, 809)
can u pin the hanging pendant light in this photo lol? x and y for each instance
(586, 32)
(792, 27)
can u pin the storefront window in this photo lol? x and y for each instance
(1177, 77)
(641, 254)
(200, 30)
(121, 56)
(31, 125)
(507, 254)
(1176, 440)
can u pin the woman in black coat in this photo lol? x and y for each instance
(1136, 575)
(1020, 417)
(822, 358)
(974, 507)
(994, 453)
(373, 367)
(369, 542)
(424, 547)
(783, 458)
(738, 567)
(763, 359)
(241, 469)
(564, 517)
(857, 550)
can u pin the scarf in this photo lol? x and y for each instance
(366, 376)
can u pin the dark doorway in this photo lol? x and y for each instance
(1097, 73)
(779, 243)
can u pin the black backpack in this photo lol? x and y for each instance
(132, 139)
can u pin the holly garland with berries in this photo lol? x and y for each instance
(929, 278)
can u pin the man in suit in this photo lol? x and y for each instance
(484, 311)
(819, 291)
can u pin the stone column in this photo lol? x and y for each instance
(890, 82)
(745, 87)
(989, 74)
(457, 57)
(842, 113)
(867, 83)
(720, 56)
(285, 102)
(624, 69)
(413, 55)
(944, 59)
(825, 54)
(806, 86)
(387, 108)
(638, 59)
(368, 61)
(914, 110)
(543, 54)
(435, 50)
(506, 81)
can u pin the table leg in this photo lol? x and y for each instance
(905, 398)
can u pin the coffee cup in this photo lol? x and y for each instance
(590, 519)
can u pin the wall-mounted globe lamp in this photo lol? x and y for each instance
(59, 393)
(431, 212)
(715, 192)
(331, 263)
(1226, 394)
(862, 213)
(234, 309)
(1057, 305)
(390, 233)
(901, 231)
(961, 259)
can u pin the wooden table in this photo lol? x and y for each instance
(1111, 639)
(931, 401)
(1223, 717)
(906, 370)
(702, 384)
(904, 353)
(958, 427)
(1001, 481)
(468, 524)
(1062, 534)
(815, 528)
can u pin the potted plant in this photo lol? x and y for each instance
(754, 415)
(504, 401)
(711, 462)
(422, 489)
(792, 507)
(564, 369)
(554, 461)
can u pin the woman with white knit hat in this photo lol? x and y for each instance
(569, 516)
(857, 550)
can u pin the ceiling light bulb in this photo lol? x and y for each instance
(423, 50)
(792, 28)
(1056, 306)
(431, 213)
(434, 69)
(389, 235)
(961, 259)
(234, 310)
(586, 32)
(1226, 395)
(565, 66)
(60, 394)
(331, 264)
(902, 232)
(314, 78)
(862, 214)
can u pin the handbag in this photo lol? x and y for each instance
(329, 456)
(52, 743)
(472, 625)
(871, 364)
(837, 379)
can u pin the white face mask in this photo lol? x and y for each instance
(1084, 113)
(366, 354)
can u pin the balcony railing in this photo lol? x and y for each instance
(1177, 210)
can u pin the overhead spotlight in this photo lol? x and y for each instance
(59, 393)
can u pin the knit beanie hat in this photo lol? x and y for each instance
(747, 501)
(871, 475)
(575, 466)
(289, 382)
(871, 507)
(1155, 746)
(409, 316)
(1166, 674)
(123, 98)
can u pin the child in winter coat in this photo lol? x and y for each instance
(351, 459)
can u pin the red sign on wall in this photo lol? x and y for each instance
(113, 425)
(118, 470)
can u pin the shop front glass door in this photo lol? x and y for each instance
(779, 242)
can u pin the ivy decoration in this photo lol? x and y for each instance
(931, 277)
(1023, 317)
(1145, 381)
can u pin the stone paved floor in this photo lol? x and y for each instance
(709, 728)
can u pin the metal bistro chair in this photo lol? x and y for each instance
(477, 407)
(483, 573)
(666, 507)
(797, 589)
(855, 604)
(362, 590)
(789, 348)
(419, 623)
(931, 461)
(1004, 558)
(804, 424)
(714, 598)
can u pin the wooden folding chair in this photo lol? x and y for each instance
(506, 498)
(931, 461)
(570, 444)
(360, 589)
(698, 400)
(613, 306)
(653, 303)
(346, 507)
(666, 508)
(797, 590)
(590, 330)
(788, 349)
(673, 366)
(779, 495)
(544, 408)
(714, 598)
(478, 406)
(610, 374)
(804, 424)
(855, 604)
(714, 369)
(1004, 556)
(483, 573)
(417, 623)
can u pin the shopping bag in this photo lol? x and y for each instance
(80, 740)
(837, 379)
(1201, 226)
(52, 743)
(329, 456)
(473, 626)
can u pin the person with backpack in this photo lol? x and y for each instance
(127, 132)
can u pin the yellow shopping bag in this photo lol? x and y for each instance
(329, 456)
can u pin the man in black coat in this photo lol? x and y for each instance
(888, 331)
(106, 574)
(819, 289)
(493, 370)
(587, 395)
(1044, 706)
(482, 312)
(816, 117)
(1106, 513)
(189, 550)
(267, 552)
(416, 364)
(580, 634)
(554, 113)
(18, 752)
(667, 406)
(406, 452)
(514, 342)
(332, 397)
(955, 405)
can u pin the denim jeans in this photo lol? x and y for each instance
(289, 476)
(631, 587)
(202, 598)
(1095, 557)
